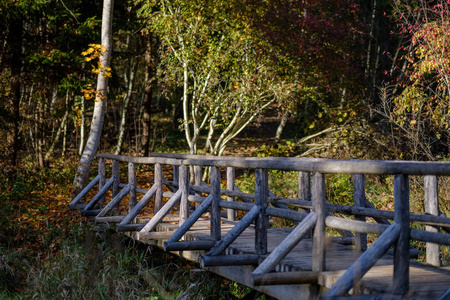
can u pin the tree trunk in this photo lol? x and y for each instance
(82, 127)
(93, 141)
(150, 72)
(126, 102)
(281, 126)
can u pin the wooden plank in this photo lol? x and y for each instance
(430, 237)
(215, 205)
(431, 193)
(184, 188)
(236, 231)
(158, 175)
(162, 212)
(353, 225)
(132, 182)
(130, 227)
(446, 295)
(83, 193)
(365, 262)
(175, 174)
(304, 189)
(116, 175)
(229, 260)
(115, 201)
(231, 214)
(359, 196)
(283, 278)
(140, 205)
(300, 231)
(401, 253)
(262, 220)
(325, 166)
(318, 206)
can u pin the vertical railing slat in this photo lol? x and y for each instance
(262, 221)
(116, 175)
(401, 252)
(184, 188)
(432, 207)
(359, 196)
(215, 206)
(304, 188)
(158, 175)
(231, 213)
(102, 174)
(318, 206)
(132, 183)
(198, 172)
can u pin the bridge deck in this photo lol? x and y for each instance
(427, 282)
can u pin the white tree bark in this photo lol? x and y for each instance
(93, 141)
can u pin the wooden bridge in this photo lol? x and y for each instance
(304, 262)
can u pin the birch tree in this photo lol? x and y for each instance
(100, 99)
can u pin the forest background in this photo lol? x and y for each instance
(326, 78)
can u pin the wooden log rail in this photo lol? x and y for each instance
(312, 212)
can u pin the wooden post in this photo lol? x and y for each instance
(432, 207)
(132, 183)
(158, 175)
(184, 188)
(262, 221)
(215, 205)
(231, 213)
(102, 174)
(116, 175)
(318, 206)
(401, 252)
(304, 186)
(198, 172)
(175, 175)
(359, 197)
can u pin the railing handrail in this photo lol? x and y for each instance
(322, 165)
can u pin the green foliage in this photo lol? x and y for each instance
(278, 150)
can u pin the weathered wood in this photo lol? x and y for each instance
(262, 220)
(299, 277)
(215, 205)
(188, 245)
(324, 166)
(116, 175)
(111, 219)
(446, 295)
(286, 214)
(236, 231)
(354, 225)
(158, 176)
(140, 205)
(102, 174)
(184, 188)
(231, 214)
(401, 252)
(175, 174)
(132, 182)
(162, 212)
(359, 196)
(99, 195)
(300, 231)
(113, 203)
(203, 207)
(304, 188)
(318, 206)
(198, 172)
(430, 237)
(365, 262)
(153, 235)
(369, 204)
(369, 212)
(90, 213)
(229, 260)
(431, 193)
(83, 193)
(130, 227)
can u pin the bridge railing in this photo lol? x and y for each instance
(315, 214)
